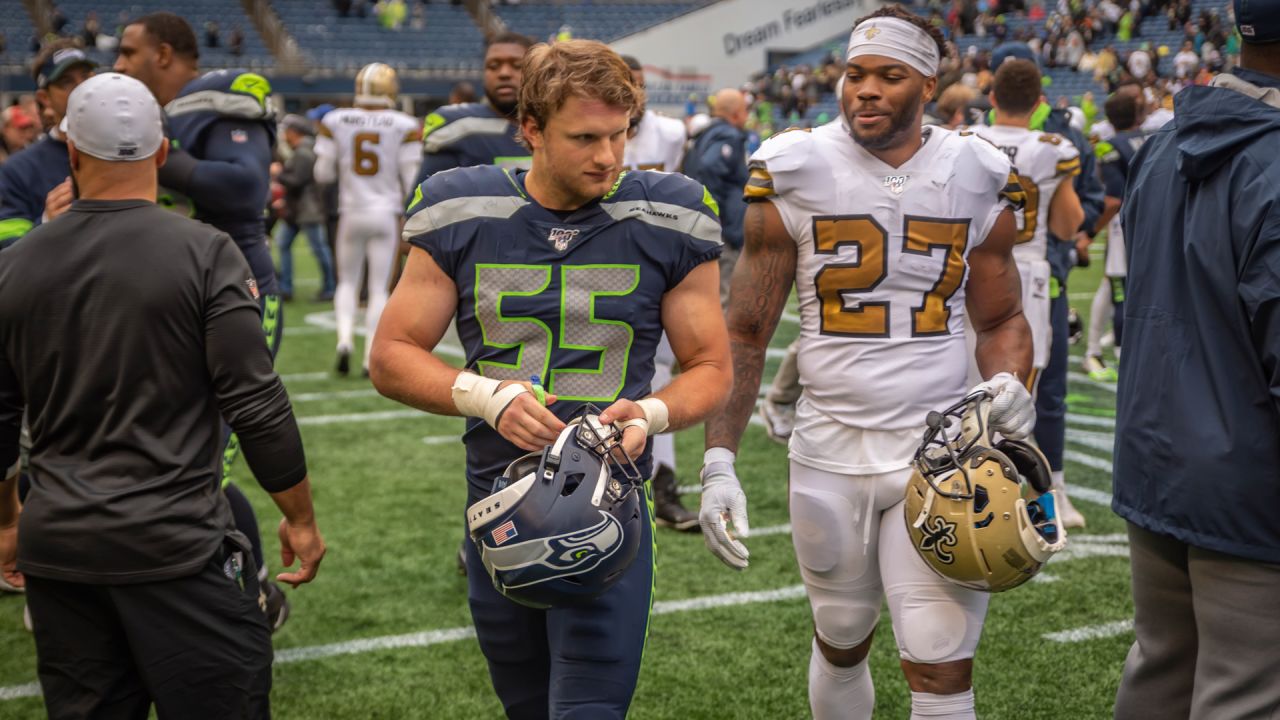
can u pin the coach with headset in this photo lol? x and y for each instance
(128, 331)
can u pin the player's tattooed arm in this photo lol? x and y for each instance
(994, 301)
(758, 293)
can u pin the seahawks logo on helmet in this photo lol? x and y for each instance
(559, 555)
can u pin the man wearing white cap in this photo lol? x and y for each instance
(127, 331)
(892, 235)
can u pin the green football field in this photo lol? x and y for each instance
(384, 631)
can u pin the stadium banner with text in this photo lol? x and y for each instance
(723, 44)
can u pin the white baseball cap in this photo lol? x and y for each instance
(114, 117)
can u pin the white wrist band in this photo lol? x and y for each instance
(718, 454)
(654, 420)
(481, 397)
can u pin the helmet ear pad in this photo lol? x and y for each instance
(1029, 462)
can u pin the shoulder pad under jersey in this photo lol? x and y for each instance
(775, 165)
(668, 200)
(225, 93)
(451, 123)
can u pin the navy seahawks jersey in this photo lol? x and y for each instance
(1115, 156)
(573, 300)
(25, 179)
(469, 134)
(224, 120)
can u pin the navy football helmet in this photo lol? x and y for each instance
(562, 525)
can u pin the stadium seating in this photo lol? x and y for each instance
(18, 32)
(604, 22)
(227, 13)
(450, 40)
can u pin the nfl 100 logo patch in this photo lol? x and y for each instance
(896, 183)
(503, 532)
(561, 237)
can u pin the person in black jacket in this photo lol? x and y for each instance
(128, 331)
(718, 160)
(1197, 455)
(304, 208)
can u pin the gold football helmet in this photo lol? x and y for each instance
(377, 85)
(982, 515)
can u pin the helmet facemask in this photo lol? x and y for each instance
(981, 514)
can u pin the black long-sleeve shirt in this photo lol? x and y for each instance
(129, 332)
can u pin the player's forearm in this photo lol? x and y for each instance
(1005, 347)
(9, 505)
(408, 373)
(697, 392)
(295, 503)
(725, 428)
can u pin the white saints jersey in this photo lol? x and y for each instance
(658, 144)
(881, 267)
(377, 154)
(1041, 161)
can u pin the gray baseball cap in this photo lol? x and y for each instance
(114, 117)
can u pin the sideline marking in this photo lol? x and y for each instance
(1090, 632)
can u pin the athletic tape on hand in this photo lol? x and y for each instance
(655, 418)
(483, 397)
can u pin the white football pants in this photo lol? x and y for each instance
(361, 237)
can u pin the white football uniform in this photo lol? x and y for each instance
(658, 144)
(880, 274)
(1042, 161)
(374, 156)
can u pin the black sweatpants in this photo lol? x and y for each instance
(197, 647)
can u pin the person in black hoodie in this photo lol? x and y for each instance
(1198, 409)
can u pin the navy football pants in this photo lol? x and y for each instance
(1051, 393)
(577, 663)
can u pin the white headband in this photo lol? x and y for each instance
(898, 39)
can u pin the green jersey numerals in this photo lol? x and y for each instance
(579, 328)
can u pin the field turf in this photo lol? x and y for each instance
(384, 630)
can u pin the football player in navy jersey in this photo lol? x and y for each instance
(570, 273)
(483, 133)
(221, 130)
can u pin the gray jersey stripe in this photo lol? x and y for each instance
(437, 140)
(448, 212)
(668, 216)
(223, 103)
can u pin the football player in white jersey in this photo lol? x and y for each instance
(372, 151)
(892, 234)
(1044, 164)
(657, 143)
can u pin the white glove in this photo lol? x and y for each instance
(723, 501)
(1013, 412)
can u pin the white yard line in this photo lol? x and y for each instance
(335, 395)
(1082, 378)
(1090, 632)
(305, 377)
(361, 417)
(1087, 460)
(441, 439)
(1091, 420)
(1102, 441)
(1098, 497)
(437, 637)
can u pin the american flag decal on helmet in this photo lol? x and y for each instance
(503, 532)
